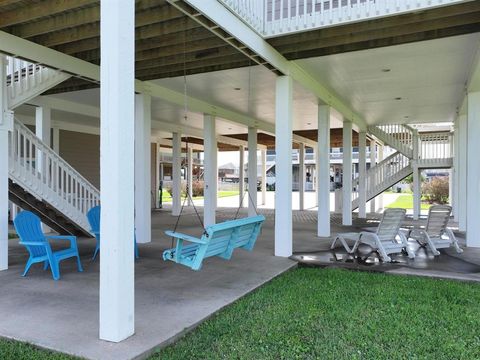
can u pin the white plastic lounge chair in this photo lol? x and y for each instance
(386, 240)
(436, 235)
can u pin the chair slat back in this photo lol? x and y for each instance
(231, 234)
(390, 224)
(438, 216)
(93, 216)
(28, 227)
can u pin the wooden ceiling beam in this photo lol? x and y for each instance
(146, 27)
(90, 15)
(38, 10)
(164, 51)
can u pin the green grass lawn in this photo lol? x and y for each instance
(311, 313)
(167, 198)
(406, 202)
(12, 236)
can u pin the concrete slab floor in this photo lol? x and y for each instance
(63, 315)
(169, 298)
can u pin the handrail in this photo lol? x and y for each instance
(437, 145)
(46, 175)
(276, 17)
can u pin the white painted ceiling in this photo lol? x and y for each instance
(429, 77)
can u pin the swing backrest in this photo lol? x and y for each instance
(224, 237)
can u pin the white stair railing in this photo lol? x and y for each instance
(26, 80)
(382, 176)
(44, 174)
(398, 136)
(435, 146)
(277, 17)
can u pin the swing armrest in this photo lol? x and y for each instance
(185, 237)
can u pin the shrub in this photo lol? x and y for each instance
(197, 188)
(436, 190)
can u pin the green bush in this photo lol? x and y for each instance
(436, 190)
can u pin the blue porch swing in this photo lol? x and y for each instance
(218, 239)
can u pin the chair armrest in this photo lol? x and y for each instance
(33, 243)
(186, 237)
(71, 238)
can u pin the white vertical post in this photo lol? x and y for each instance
(347, 173)
(462, 172)
(43, 124)
(241, 176)
(176, 174)
(473, 169)
(252, 171)
(301, 176)
(143, 211)
(4, 128)
(454, 171)
(56, 140)
(190, 174)
(362, 170)
(117, 294)
(373, 158)
(211, 170)
(323, 171)
(417, 192)
(157, 175)
(381, 150)
(264, 176)
(316, 169)
(283, 164)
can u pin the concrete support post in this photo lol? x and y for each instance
(316, 170)
(4, 129)
(417, 191)
(143, 168)
(264, 176)
(176, 174)
(211, 170)
(190, 174)
(473, 172)
(373, 159)
(462, 172)
(454, 171)
(283, 163)
(158, 177)
(56, 140)
(241, 176)
(252, 171)
(117, 156)
(323, 171)
(362, 179)
(347, 174)
(381, 150)
(301, 177)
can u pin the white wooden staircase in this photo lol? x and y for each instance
(26, 80)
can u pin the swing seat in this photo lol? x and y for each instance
(217, 240)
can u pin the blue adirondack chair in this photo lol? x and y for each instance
(28, 228)
(217, 240)
(93, 216)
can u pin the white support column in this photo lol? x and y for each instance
(283, 165)
(43, 123)
(454, 171)
(462, 172)
(190, 174)
(417, 190)
(4, 129)
(117, 156)
(143, 211)
(158, 176)
(381, 149)
(316, 170)
(241, 176)
(56, 140)
(252, 171)
(176, 174)
(373, 159)
(211, 169)
(347, 173)
(263, 153)
(323, 171)
(473, 169)
(362, 170)
(301, 177)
